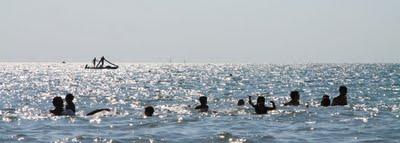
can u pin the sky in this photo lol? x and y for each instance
(201, 31)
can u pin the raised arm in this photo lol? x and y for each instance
(251, 102)
(273, 106)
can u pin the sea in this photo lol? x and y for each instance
(372, 113)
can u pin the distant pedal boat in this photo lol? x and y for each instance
(100, 67)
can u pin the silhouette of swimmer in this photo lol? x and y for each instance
(59, 106)
(203, 107)
(148, 111)
(340, 100)
(325, 101)
(295, 97)
(240, 102)
(260, 107)
(70, 104)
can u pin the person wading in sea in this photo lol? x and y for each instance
(340, 100)
(295, 97)
(260, 107)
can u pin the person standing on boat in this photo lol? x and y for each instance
(94, 62)
(101, 62)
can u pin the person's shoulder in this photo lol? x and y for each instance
(335, 101)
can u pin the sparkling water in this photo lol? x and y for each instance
(27, 90)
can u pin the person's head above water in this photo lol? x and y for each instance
(148, 111)
(58, 102)
(343, 90)
(340, 100)
(203, 100)
(294, 95)
(203, 107)
(240, 102)
(59, 106)
(325, 101)
(261, 100)
(69, 97)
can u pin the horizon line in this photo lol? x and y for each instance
(254, 63)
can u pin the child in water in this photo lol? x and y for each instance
(325, 101)
(203, 107)
(59, 106)
(148, 111)
(240, 102)
(295, 97)
(70, 107)
(260, 107)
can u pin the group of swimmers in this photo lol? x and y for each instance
(260, 107)
(69, 108)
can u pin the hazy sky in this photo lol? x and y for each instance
(228, 31)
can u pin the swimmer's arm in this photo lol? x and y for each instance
(198, 107)
(273, 106)
(286, 104)
(251, 102)
(97, 111)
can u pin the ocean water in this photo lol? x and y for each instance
(27, 89)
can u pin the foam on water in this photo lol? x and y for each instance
(26, 92)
